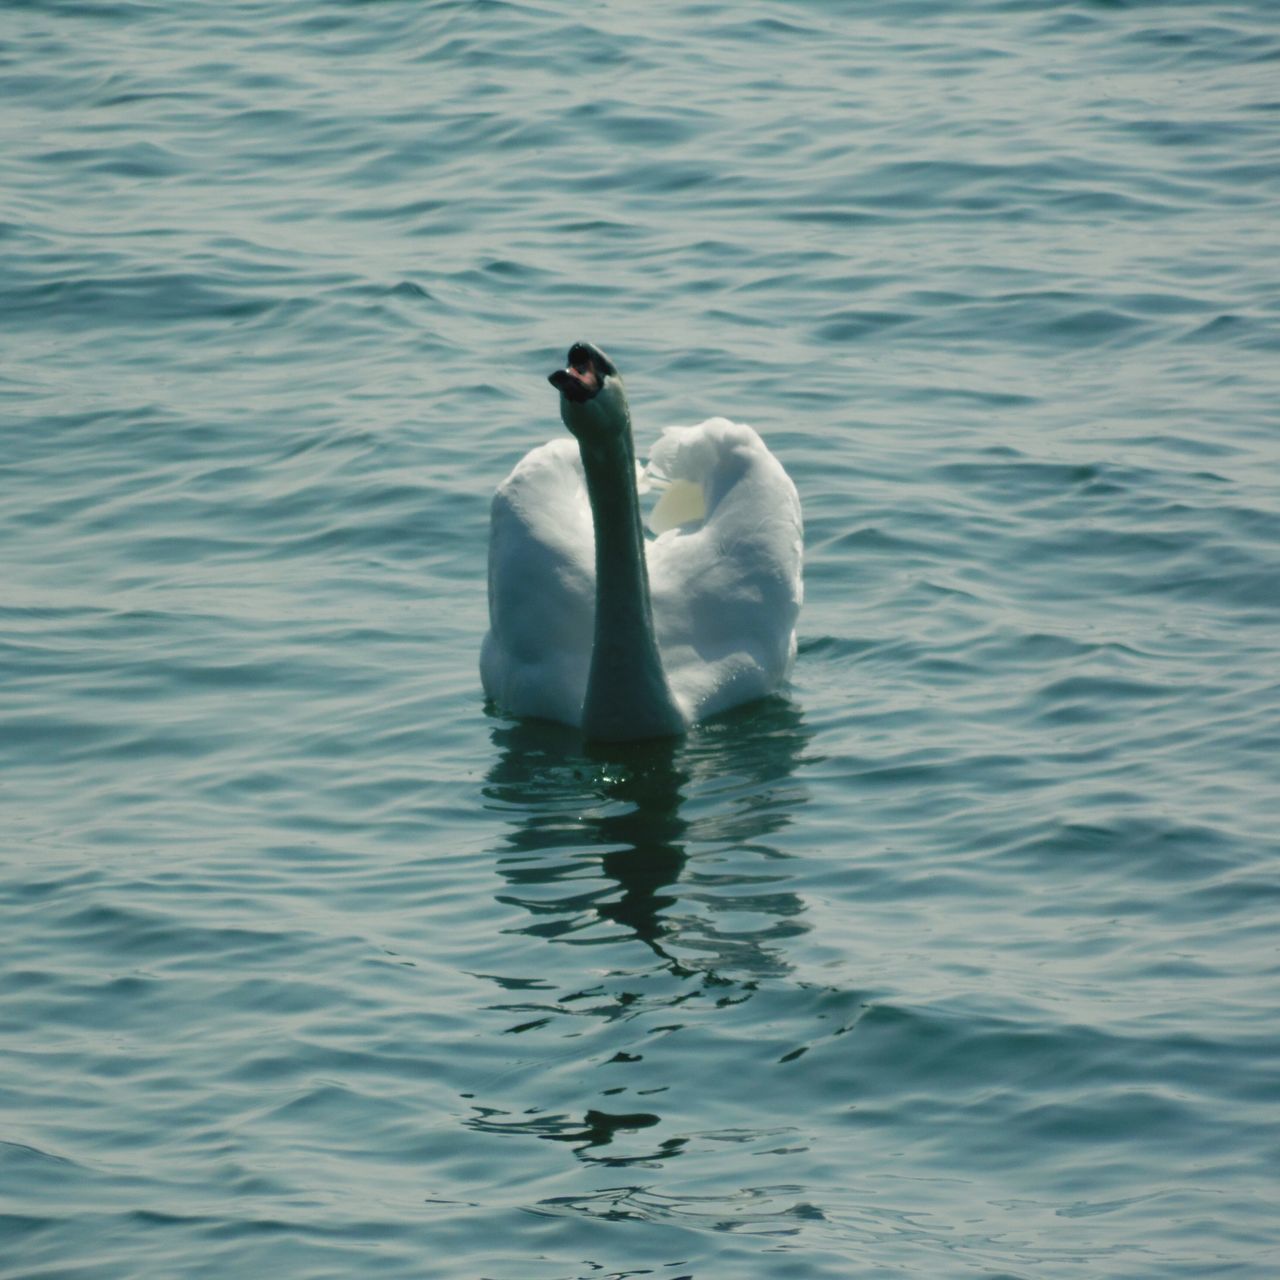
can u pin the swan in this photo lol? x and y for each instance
(595, 626)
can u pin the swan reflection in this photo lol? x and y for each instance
(660, 860)
(602, 836)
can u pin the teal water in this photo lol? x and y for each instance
(961, 959)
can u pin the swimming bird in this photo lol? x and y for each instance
(595, 626)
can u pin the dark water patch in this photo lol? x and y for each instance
(1026, 478)
(1200, 45)
(1247, 175)
(19, 1228)
(924, 184)
(1171, 133)
(855, 325)
(1170, 852)
(40, 741)
(138, 933)
(602, 227)
(105, 9)
(620, 128)
(1032, 649)
(34, 1164)
(1076, 698)
(876, 542)
(831, 215)
(421, 211)
(1246, 331)
(1248, 589)
(1193, 446)
(143, 302)
(1078, 326)
(834, 647)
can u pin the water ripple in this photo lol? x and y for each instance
(957, 957)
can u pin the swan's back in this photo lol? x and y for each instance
(725, 571)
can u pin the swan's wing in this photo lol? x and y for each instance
(535, 658)
(726, 568)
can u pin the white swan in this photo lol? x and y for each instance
(592, 625)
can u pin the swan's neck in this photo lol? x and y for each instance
(627, 691)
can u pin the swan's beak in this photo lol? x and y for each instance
(573, 384)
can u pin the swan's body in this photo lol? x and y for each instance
(595, 626)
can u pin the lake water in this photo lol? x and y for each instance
(959, 960)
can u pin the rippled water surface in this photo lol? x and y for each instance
(960, 959)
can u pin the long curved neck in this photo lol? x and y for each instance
(627, 691)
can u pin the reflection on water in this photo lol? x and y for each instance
(638, 812)
(596, 1129)
(664, 844)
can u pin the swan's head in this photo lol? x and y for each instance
(593, 403)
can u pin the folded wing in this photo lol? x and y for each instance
(726, 568)
(537, 653)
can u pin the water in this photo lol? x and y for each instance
(959, 960)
